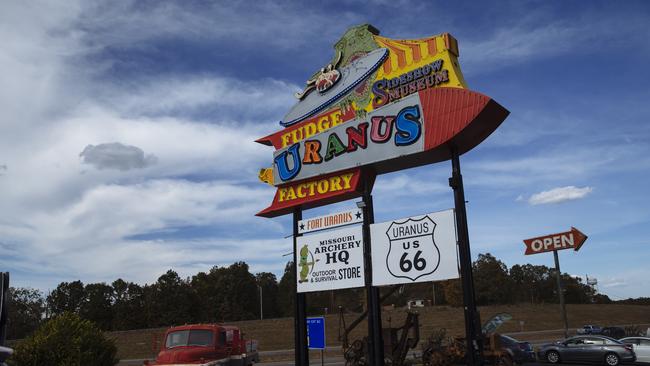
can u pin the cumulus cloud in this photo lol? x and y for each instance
(405, 184)
(92, 235)
(71, 226)
(534, 36)
(118, 156)
(129, 23)
(614, 282)
(560, 194)
(199, 96)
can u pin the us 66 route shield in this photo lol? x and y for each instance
(415, 249)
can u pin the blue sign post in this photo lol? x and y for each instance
(316, 333)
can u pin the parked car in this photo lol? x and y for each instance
(641, 346)
(415, 304)
(520, 352)
(4, 354)
(589, 329)
(613, 332)
(591, 348)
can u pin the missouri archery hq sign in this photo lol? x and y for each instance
(380, 105)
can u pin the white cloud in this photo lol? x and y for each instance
(61, 220)
(64, 220)
(130, 24)
(548, 165)
(407, 184)
(560, 194)
(224, 96)
(116, 156)
(613, 282)
(90, 236)
(541, 37)
(626, 283)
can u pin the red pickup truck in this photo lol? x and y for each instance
(206, 345)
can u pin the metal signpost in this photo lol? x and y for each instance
(300, 328)
(4, 300)
(380, 105)
(573, 239)
(373, 302)
(4, 313)
(474, 338)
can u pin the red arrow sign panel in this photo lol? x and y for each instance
(548, 243)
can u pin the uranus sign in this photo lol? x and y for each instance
(384, 134)
(380, 105)
(412, 131)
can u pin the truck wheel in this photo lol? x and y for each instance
(611, 359)
(505, 361)
(552, 357)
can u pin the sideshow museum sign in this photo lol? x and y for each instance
(379, 106)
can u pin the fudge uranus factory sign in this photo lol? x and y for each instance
(380, 105)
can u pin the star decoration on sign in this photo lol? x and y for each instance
(358, 214)
(302, 226)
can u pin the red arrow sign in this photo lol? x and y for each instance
(548, 243)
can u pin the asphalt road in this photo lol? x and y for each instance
(339, 362)
(336, 361)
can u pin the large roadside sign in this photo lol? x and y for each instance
(330, 260)
(415, 249)
(572, 239)
(381, 105)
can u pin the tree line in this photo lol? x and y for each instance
(232, 293)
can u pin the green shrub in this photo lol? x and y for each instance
(66, 340)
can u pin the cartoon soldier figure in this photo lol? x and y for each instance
(304, 265)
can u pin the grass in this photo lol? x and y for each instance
(277, 334)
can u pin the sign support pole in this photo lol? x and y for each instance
(4, 303)
(560, 292)
(375, 338)
(472, 320)
(301, 352)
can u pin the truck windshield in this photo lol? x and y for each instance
(189, 338)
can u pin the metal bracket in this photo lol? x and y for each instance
(454, 180)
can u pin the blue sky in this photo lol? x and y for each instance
(127, 128)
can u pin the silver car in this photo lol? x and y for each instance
(641, 346)
(587, 348)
